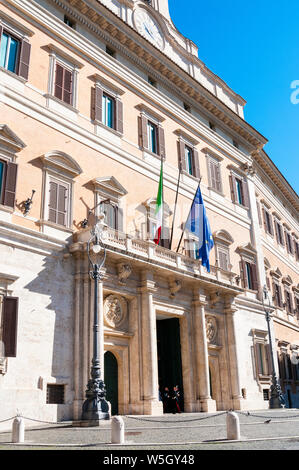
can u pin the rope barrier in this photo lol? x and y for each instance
(247, 413)
(8, 419)
(176, 422)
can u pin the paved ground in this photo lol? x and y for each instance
(196, 431)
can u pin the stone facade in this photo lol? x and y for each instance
(76, 59)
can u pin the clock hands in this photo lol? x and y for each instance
(148, 31)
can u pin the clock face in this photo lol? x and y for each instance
(148, 27)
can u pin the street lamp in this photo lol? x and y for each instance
(276, 397)
(95, 407)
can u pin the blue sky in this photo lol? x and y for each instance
(254, 47)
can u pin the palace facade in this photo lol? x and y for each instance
(93, 96)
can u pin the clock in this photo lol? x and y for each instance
(148, 27)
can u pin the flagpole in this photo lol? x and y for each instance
(175, 206)
(187, 218)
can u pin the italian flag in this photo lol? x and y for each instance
(159, 208)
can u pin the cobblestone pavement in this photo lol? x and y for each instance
(200, 431)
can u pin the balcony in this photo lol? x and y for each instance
(120, 244)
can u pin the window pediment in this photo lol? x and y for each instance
(150, 113)
(223, 236)
(62, 162)
(276, 273)
(9, 140)
(287, 280)
(247, 249)
(109, 186)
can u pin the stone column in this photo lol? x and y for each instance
(151, 403)
(78, 399)
(229, 309)
(202, 355)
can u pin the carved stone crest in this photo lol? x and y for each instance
(211, 329)
(115, 310)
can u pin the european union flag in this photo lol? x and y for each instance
(198, 224)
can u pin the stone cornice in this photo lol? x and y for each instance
(125, 38)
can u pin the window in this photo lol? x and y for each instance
(63, 85)
(223, 258)
(235, 144)
(289, 243)
(8, 181)
(212, 126)
(55, 394)
(192, 248)
(152, 136)
(279, 232)
(187, 107)
(262, 357)
(288, 302)
(110, 51)
(14, 52)
(107, 108)
(8, 326)
(296, 247)
(69, 22)
(214, 174)
(188, 159)
(268, 224)
(152, 82)
(266, 394)
(59, 202)
(113, 216)
(59, 171)
(150, 131)
(277, 296)
(9, 52)
(249, 275)
(239, 190)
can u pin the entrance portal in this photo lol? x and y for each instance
(169, 355)
(111, 380)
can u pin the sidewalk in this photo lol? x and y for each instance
(143, 432)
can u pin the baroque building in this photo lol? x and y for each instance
(93, 96)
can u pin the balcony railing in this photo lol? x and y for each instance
(150, 251)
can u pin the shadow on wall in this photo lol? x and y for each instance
(51, 315)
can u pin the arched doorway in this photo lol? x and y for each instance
(111, 380)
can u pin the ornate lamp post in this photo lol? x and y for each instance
(95, 407)
(276, 396)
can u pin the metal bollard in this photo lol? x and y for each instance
(117, 430)
(233, 426)
(18, 429)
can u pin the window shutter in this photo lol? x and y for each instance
(217, 176)
(10, 184)
(264, 219)
(67, 86)
(10, 318)
(161, 142)
(259, 212)
(142, 129)
(243, 274)
(275, 297)
(62, 205)
(24, 60)
(232, 181)
(258, 359)
(181, 155)
(120, 219)
(223, 260)
(119, 116)
(58, 89)
(96, 104)
(1, 29)
(196, 168)
(276, 230)
(212, 173)
(255, 284)
(271, 224)
(280, 302)
(245, 193)
(268, 283)
(53, 201)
